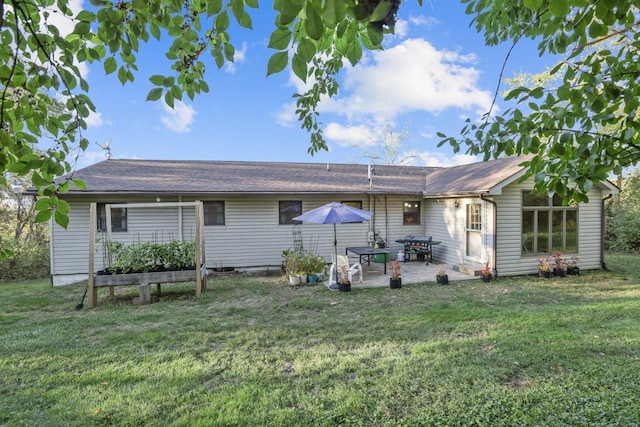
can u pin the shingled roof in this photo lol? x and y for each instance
(131, 176)
(475, 178)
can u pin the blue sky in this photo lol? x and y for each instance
(433, 74)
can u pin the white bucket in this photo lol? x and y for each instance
(401, 256)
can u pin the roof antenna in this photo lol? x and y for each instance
(107, 148)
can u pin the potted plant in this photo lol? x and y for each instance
(544, 270)
(293, 267)
(559, 265)
(344, 284)
(572, 266)
(395, 282)
(315, 265)
(442, 278)
(486, 273)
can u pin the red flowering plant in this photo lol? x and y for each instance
(395, 269)
(559, 262)
(486, 271)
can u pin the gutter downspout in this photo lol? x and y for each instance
(602, 231)
(495, 232)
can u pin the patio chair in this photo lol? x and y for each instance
(344, 260)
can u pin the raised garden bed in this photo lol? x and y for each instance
(102, 279)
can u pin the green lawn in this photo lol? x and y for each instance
(254, 351)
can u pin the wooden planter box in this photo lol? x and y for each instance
(144, 279)
(169, 276)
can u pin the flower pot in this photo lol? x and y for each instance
(442, 280)
(312, 278)
(486, 278)
(573, 271)
(559, 272)
(395, 283)
(294, 279)
(545, 274)
(344, 287)
(303, 279)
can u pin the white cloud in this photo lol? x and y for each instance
(427, 158)
(239, 57)
(424, 21)
(412, 76)
(286, 116)
(348, 135)
(180, 118)
(94, 119)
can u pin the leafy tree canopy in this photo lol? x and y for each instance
(43, 93)
(586, 127)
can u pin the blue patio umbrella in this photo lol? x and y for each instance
(334, 213)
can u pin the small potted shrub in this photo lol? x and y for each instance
(486, 273)
(572, 266)
(544, 270)
(442, 278)
(395, 282)
(559, 265)
(293, 267)
(315, 265)
(344, 284)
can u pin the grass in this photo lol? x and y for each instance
(254, 351)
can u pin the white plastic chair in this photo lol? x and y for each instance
(344, 260)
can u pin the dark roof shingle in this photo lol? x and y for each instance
(132, 176)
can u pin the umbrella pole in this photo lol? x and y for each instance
(335, 250)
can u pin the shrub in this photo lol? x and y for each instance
(30, 260)
(624, 232)
(147, 256)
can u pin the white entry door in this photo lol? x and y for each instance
(474, 231)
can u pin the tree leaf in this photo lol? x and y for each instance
(110, 65)
(559, 7)
(61, 219)
(154, 94)
(280, 39)
(299, 66)
(277, 63)
(313, 24)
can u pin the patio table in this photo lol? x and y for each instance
(368, 252)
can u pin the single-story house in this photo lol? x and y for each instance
(479, 212)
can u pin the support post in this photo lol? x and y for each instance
(199, 214)
(145, 294)
(93, 291)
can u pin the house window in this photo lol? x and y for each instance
(474, 217)
(213, 213)
(289, 209)
(547, 225)
(411, 213)
(118, 219)
(353, 203)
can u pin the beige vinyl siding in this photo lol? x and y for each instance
(251, 236)
(447, 224)
(70, 247)
(510, 259)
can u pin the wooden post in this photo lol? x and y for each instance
(203, 255)
(107, 212)
(93, 291)
(145, 293)
(198, 206)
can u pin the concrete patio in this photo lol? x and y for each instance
(412, 272)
